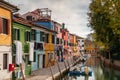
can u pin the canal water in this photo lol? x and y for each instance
(100, 72)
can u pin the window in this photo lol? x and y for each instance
(46, 38)
(4, 25)
(38, 46)
(34, 57)
(16, 34)
(57, 40)
(60, 41)
(5, 61)
(33, 35)
(82, 45)
(53, 39)
(82, 40)
(29, 18)
(42, 36)
(64, 42)
(27, 36)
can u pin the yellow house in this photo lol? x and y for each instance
(89, 47)
(75, 44)
(50, 49)
(6, 10)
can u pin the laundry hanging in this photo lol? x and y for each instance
(19, 52)
(31, 51)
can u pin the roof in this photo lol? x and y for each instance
(40, 26)
(17, 18)
(8, 6)
(21, 21)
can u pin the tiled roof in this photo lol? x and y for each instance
(22, 21)
(8, 6)
(29, 23)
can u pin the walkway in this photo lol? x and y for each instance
(45, 73)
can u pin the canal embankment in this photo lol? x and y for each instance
(108, 63)
(55, 72)
(59, 75)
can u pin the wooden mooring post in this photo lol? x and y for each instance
(59, 70)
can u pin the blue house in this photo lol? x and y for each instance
(39, 54)
(47, 24)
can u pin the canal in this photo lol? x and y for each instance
(100, 72)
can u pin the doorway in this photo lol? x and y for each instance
(43, 61)
(38, 64)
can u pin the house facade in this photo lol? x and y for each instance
(65, 41)
(59, 45)
(6, 10)
(22, 34)
(71, 42)
(81, 45)
(44, 20)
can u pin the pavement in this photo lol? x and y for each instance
(46, 73)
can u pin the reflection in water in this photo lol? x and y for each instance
(99, 72)
(86, 77)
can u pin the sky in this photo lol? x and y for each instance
(71, 12)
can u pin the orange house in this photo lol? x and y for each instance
(6, 10)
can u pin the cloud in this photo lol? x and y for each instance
(72, 12)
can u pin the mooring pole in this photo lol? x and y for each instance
(65, 65)
(68, 64)
(51, 70)
(59, 70)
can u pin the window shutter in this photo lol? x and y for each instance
(34, 56)
(34, 35)
(5, 26)
(29, 36)
(1, 24)
(13, 34)
(18, 37)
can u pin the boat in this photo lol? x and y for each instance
(85, 70)
(74, 71)
(80, 70)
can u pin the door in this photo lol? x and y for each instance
(43, 61)
(38, 64)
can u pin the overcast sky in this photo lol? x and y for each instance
(71, 12)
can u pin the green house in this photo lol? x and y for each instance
(21, 32)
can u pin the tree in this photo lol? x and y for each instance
(104, 19)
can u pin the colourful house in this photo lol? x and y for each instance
(47, 36)
(59, 45)
(22, 33)
(71, 42)
(81, 43)
(42, 17)
(75, 43)
(6, 10)
(50, 49)
(65, 33)
(44, 47)
(90, 48)
(39, 53)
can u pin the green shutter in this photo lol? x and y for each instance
(13, 34)
(29, 36)
(34, 35)
(34, 56)
(18, 36)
